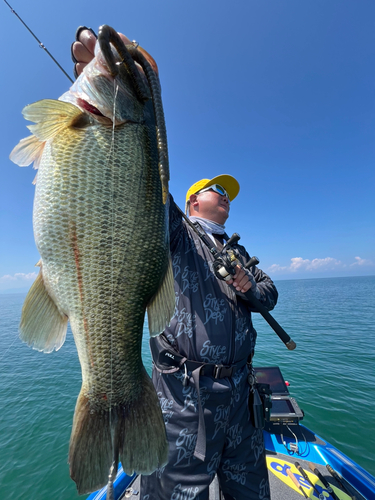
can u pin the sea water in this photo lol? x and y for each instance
(332, 376)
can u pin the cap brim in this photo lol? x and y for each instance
(229, 183)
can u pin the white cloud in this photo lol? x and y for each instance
(299, 264)
(8, 278)
(276, 267)
(362, 262)
(311, 265)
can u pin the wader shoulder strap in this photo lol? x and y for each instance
(200, 445)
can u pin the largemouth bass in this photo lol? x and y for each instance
(100, 225)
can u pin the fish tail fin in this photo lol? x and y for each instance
(90, 450)
(144, 445)
(133, 432)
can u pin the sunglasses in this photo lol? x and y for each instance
(217, 188)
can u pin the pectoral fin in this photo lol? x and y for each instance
(28, 150)
(161, 307)
(43, 327)
(50, 117)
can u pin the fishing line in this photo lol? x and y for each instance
(112, 471)
(112, 150)
(16, 338)
(41, 45)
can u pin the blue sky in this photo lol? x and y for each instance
(278, 93)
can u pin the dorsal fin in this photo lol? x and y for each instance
(50, 116)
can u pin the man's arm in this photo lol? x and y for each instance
(268, 292)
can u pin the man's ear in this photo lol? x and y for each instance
(194, 200)
(194, 203)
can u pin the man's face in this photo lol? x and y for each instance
(210, 205)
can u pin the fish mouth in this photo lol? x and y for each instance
(130, 68)
(94, 93)
(83, 104)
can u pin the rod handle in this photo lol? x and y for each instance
(295, 481)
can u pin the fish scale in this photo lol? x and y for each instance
(100, 226)
(120, 240)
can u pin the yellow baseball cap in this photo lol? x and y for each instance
(229, 183)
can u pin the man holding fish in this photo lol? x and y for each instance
(204, 399)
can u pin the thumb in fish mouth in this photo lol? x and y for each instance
(83, 49)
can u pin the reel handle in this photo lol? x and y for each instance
(233, 240)
(254, 261)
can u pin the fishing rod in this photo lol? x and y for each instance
(296, 482)
(306, 477)
(41, 45)
(224, 268)
(324, 481)
(340, 480)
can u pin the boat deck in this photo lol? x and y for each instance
(280, 490)
(300, 463)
